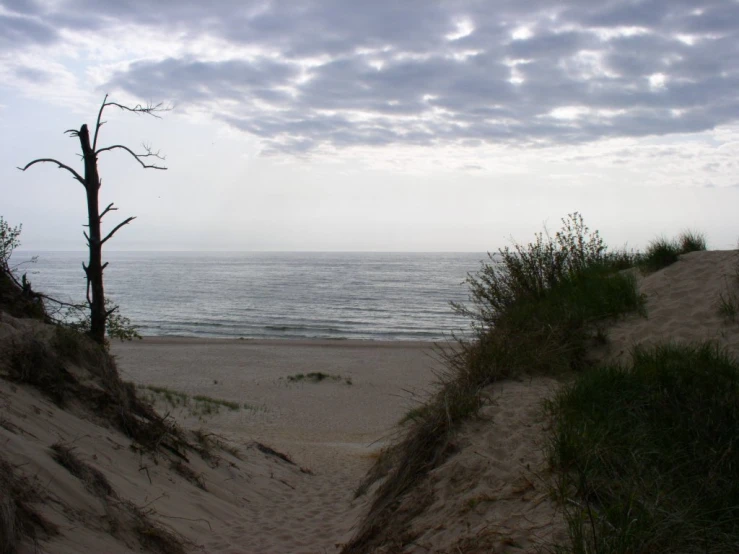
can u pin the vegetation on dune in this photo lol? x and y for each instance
(535, 310)
(20, 300)
(662, 252)
(16, 296)
(18, 517)
(646, 454)
(316, 377)
(728, 299)
(198, 405)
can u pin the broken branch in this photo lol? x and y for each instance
(137, 157)
(59, 164)
(125, 222)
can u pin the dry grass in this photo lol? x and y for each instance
(93, 478)
(18, 519)
(154, 537)
(187, 473)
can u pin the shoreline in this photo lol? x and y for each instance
(288, 342)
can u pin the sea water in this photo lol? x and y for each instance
(379, 296)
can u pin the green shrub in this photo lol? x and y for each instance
(647, 454)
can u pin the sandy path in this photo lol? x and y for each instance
(331, 428)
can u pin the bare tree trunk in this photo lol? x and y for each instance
(94, 268)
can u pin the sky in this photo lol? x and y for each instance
(330, 125)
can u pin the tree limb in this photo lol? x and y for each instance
(110, 207)
(138, 108)
(98, 124)
(125, 222)
(137, 157)
(59, 164)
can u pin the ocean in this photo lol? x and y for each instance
(376, 296)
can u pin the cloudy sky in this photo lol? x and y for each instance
(374, 125)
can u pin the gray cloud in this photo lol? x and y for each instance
(17, 32)
(389, 73)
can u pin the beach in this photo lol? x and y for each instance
(344, 419)
(333, 429)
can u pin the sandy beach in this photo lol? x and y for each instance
(333, 428)
(333, 424)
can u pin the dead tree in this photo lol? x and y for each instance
(99, 313)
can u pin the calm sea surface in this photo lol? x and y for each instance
(396, 296)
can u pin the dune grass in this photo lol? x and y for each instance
(663, 252)
(646, 454)
(316, 377)
(535, 309)
(19, 519)
(199, 405)
(728, 299)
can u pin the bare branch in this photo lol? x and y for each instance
(102, 268)
(59, 164)
(138, 157)
(108, 312)
(98, 124)
(125, 222)
(87, 237)
(60, 302)
(110, 207)
(139, 109)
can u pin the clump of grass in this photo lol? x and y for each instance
(93, 479)
(316, 377)
(647, 455)
(199, 405)
(414, 414)
(212, 405)
(76, 347)
(728, 299)
(728, 305)
(172, 397)
(662, 252)
(32, 362)
(691, 241)
(188, 474)
(154, 537)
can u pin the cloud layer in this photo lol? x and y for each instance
(304, 76)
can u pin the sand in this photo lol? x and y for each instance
(334, 426)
